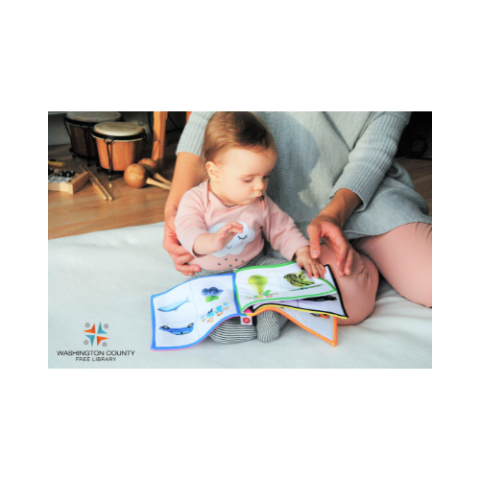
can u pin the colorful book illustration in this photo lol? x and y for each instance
(186, 314)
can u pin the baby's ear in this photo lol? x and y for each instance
(212, 170)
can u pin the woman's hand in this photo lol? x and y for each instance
(178, 253)
(328, 224)
(329, 229)
(311, 265)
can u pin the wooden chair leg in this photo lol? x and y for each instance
(159, 127)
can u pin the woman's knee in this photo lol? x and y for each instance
(358, 289)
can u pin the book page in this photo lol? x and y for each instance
(187, 313)
(324, 326)
(330, 304)
(321, 325)
(273, 283)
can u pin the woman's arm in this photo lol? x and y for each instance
(189, 172)
(368, 163)
(372, 156)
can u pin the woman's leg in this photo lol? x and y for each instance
(404, 257)
(358, 289)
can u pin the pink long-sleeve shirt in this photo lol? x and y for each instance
(200, 211)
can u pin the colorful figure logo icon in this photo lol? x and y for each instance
(96, 335)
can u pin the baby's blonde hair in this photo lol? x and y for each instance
(227, 130)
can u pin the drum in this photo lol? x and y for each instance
(79, 127)
(119, 144)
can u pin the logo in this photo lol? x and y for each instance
(96, 334)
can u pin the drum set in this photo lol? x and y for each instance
(116, 147)
(105, 139)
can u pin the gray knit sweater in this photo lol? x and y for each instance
(321, 152)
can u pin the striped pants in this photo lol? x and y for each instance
(268, 324)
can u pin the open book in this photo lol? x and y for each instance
(186, 314)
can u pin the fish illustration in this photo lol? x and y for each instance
(174, 306)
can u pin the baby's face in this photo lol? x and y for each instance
(242, 175)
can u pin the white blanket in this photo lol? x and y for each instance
(108, 278)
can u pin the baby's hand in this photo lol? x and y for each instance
(225, 235)
(311, 265)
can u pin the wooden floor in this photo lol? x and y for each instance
(85, 211)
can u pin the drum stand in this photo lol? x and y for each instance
(91, 156)
(109, 144)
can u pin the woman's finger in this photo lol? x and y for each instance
(340, 248)
(174, 249)
(187, 269)
(184, 258)
(314, 236)
(349, 262)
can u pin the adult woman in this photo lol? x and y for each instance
(335, 176)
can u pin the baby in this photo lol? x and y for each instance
(223, 221)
